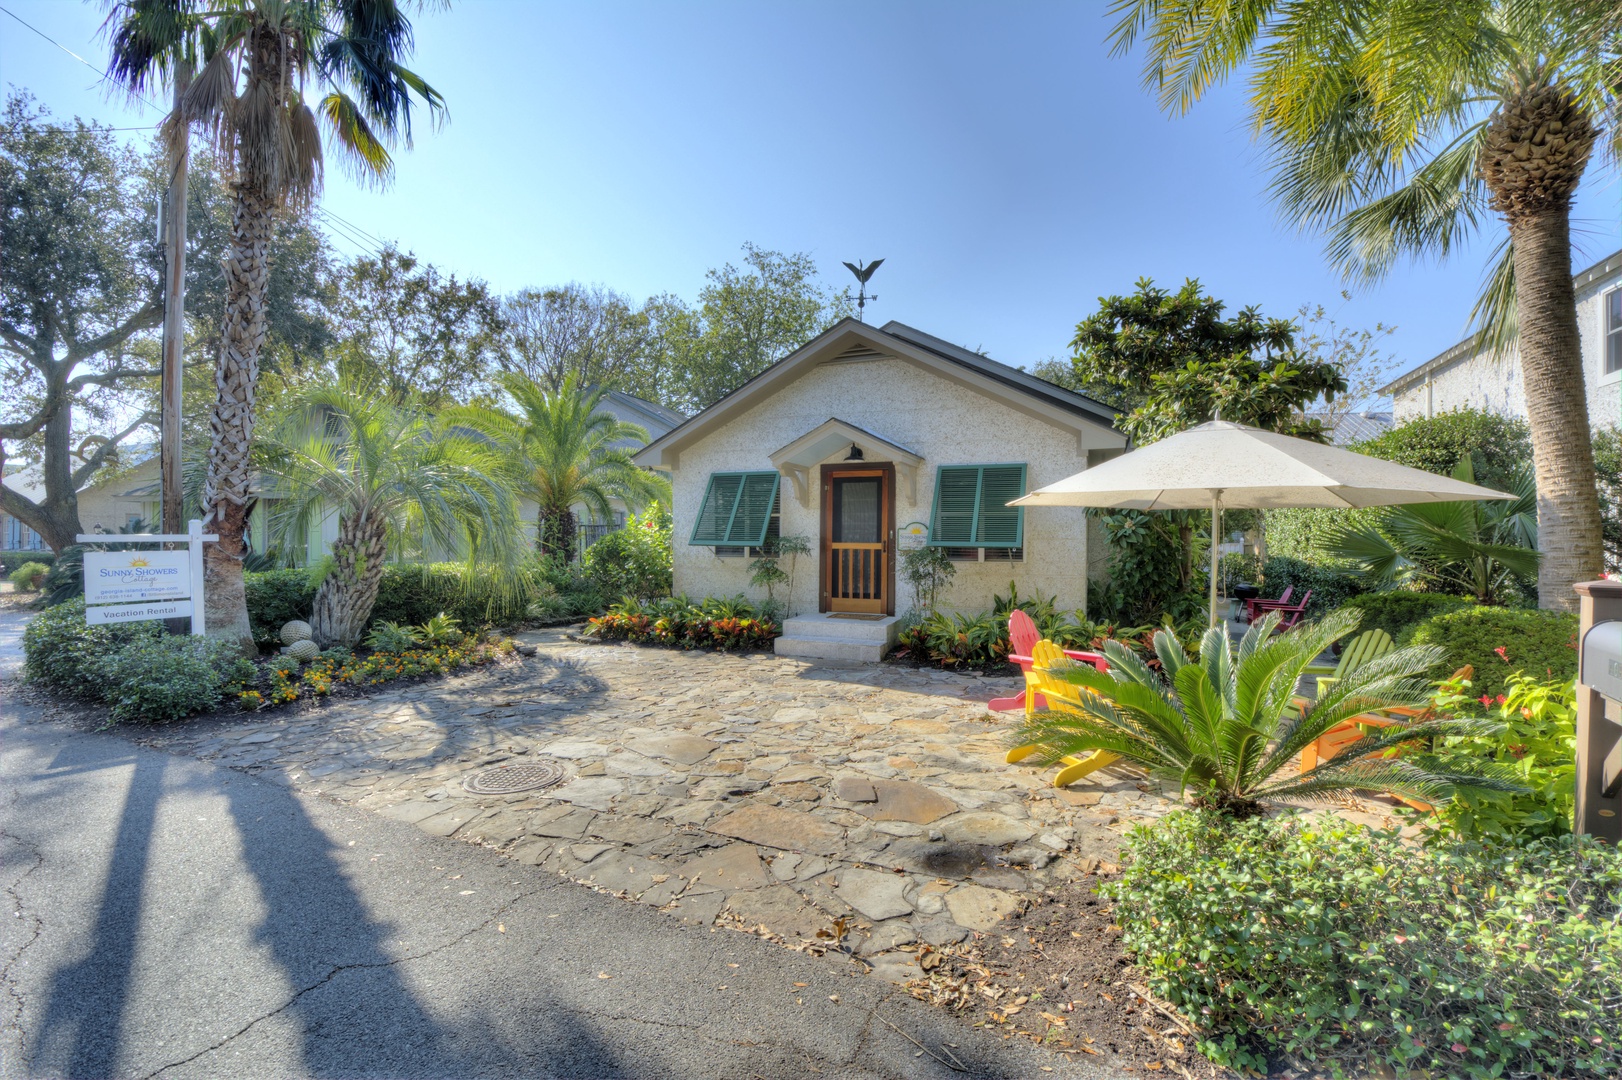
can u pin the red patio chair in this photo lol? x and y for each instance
(1259, 606)
(1290, 614)
(1022, 638)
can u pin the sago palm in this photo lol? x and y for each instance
(1226, 727)
(1402, 127)
(396, 479)
(1481, 549)
(567, 451)
(274, 79)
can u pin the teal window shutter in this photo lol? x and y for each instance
(754, 511)
(970, 508)
(736, 509)
(1000, 525)
(957, 496)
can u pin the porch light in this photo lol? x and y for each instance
(855, 453)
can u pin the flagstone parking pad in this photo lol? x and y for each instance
(759, 791)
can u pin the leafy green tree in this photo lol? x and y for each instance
(396, 478)
(598, 335)
(1480, 549)
(565, 450)
(1404, 127)
(1225, 727)
(1171, 360)
(274, 78)
(745, 321)
(78, 282)
(399, 323)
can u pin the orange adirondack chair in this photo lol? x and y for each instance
(1022, 638)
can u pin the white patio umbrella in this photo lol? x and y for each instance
(1221, 464)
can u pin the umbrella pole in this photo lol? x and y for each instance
(1216, 533)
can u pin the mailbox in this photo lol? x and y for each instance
(1599, 706)
(1600, 666)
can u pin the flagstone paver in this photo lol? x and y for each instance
(764, 791)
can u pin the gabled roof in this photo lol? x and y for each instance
(1601, 273)
(849, 339)
(661, 416)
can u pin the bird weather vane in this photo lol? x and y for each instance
(862, 274)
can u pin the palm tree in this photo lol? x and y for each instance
(1482, 549)
(262, 68)
(567, 451)
(1401, 126)
(1225, 725)
(396, 479)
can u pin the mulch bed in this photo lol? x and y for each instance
(1056, 974)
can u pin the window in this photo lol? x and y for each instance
(971, 508)
(974, 555)
(774, 529)
(737, 509)
(1613, 331)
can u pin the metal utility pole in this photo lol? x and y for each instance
(174, 316)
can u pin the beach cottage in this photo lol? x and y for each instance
(869, 441)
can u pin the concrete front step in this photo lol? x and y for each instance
(829, 628)
(820, 636)
(821, 648)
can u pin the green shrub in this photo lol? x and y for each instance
(565, 591)
(392, 637)
(60, 649)
(1357, 950)
(1330, 588)
(10, 560)
(635, 560)
(1537, 747)
(275, 598)
(718, 623)
(1295, 533)
(1497, 445)
(29, 575)
(410, 593)
(440, 630)
(164, 678)
(1498, 642)
(1396, 611)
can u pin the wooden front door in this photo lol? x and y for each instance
(858, 539)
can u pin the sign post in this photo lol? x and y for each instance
(137, 586)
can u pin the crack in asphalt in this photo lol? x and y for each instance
(13, 890)
(339, 970)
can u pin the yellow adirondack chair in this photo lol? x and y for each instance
(1061, 695)
(1369, 645)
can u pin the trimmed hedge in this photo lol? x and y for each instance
(1365, 954)
(1397, 611)
(1330, 588)
(1542, 644)
(61, 650)
(411, 593)
(11, 560)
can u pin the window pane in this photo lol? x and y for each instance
(856, 511)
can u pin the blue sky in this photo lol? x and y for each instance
(1006, 167)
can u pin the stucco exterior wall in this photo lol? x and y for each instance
(941, 420)
(1491, 381)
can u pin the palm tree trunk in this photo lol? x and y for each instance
(344, 603)
(226, 495)
(556, 532)
(1569, 532)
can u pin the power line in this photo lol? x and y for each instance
(100, 75)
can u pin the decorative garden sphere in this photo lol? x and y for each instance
(303, 650)
(297, 630)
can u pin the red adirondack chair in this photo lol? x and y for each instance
(1022, 638)
(1289, 614)
(1258, 606)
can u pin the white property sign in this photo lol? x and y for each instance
(126, 613)
(162, 584)
(116, 577)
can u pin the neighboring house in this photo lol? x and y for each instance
(114, 502)
(867, 440)
(14, 535)
(1469, 375)
(1354, 427)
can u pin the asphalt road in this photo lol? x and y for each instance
(165, 916)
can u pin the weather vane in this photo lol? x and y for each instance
(862, 274)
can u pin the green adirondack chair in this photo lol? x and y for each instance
(1369, 645)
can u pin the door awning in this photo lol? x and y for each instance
(798, 458)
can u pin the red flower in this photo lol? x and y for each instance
(1486, 699)
(1501, 652)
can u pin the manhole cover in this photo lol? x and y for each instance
(507, 779)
